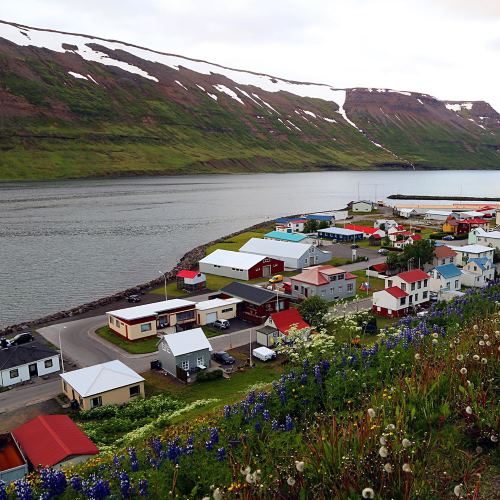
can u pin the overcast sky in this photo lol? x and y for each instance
(447, 48)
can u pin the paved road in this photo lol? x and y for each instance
(352, 306)
(29, 395)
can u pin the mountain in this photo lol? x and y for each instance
(73, 105)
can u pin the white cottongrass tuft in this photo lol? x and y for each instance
(458, 491)
(299, 466)
(368, 493)
(391, 427)
(435, 335)
(406, 443)
(371, 412)
(245, 471)
(475, 357)
(481, 343)
(463, 371)
(290, 481)
(383, 452)
(460, 357)
(383, 441)
(484, 361)
(388, 468)
(406, 468)
(468, 410)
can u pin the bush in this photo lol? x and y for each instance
(205, 376)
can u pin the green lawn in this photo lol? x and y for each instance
(338, 261)
(236, 242)
(137, 347)
(212, 332)
(375, 283)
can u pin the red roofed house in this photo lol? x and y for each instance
(367, 231)
(464, 226)
(442, 255)
(279, 324)
(191, 280)
(378, 270)
(408, 239)
(402, 292)
(53, 441)
(328, 282)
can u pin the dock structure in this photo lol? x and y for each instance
(452, 206)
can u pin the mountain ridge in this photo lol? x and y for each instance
(74, 105)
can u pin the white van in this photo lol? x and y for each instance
(264, 354)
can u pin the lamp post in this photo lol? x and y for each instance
(250, 346)
(165, 277)
(61, 328)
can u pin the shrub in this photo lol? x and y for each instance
(204, 376)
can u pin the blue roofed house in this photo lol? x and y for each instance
(477, 272)
(320, 218)
(340, 234)
(445, 278)
(283, 236)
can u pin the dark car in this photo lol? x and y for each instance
(354, 245)
(134, 298)
(21, 338)
(221, 324)
(223, 358)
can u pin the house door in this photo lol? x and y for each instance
(33, 370)
(266, 271)
(311, 260)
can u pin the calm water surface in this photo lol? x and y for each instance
(68, 242)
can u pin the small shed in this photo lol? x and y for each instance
(191, 281)
(182, 354)
(363, 206)
(13, 465)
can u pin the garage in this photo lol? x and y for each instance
(211, 310)
(211, 317)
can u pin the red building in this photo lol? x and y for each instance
(257, 303)
(191, 280)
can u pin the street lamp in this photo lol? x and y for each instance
(61, 328)
(165, 277)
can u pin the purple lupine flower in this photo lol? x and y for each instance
(143, 487)
(227, 411)
(303, 379)
(317, 374)
(125, 488)
(76, 482)
(209, 446)
(214, 435)
(288, 423)
(3, 493)
(134, 463)
(251, 397)
(221, 454)
(266, 415)
(258, 427)
(274, 425)
(99, 490)
(23, 490)
(156, 446)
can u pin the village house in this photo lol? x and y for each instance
(471, 214)
(325, 218)
(111, 383)
(328, 282)
(442, 255)
(53, 441)
(486, 238)
(340, 234)
(445, 278)
(294, 255)
(415, 283)
(288, 225)
(208, 311)
(464, 226)
(284, 236)
(367, 231)
(406, 212)
(256, 303)
(408, 239)
(437, 215)
(279, 324)
(478, 272)
(26, 361)
(148, 320)
(467, 252)
(392, 302)
(362, 206)
(384, 224)
(378, 270)
(183, 354)
(239, 265)
(191, 281)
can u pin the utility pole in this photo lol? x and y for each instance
(60, 347)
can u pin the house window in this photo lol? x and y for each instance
(341, 288)
(185, 365)
(378, 309)
(403, 286)
(146, 327)
(333, 278)
(229, 309)
(295, 287)
(412, 287)
(118, 324)
(135, 390)
(425, 283)
(65, 387)
(185, 316)
(448, 284)
(419, 285)
(389, 283)
(416, 297)
(111, 320)
(48, 363)
(200, 361)
(95, 402)
(350, 287)
(402, 301)
(14, 373)
(424, 295)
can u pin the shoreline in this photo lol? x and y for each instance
(443, 198)
(189, 260)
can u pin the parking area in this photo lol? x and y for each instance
(344, 251)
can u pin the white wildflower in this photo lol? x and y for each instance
(383, 452)
(484, 361)
(371, 412)
(249, 478)
(299, 466)
(463, 371)
(406, 443)
(434, 341)
(217, 494)
(468, 410)
(290, 481)
(475, 327)
(368, 493)
(460, 357)
(406, 468)
(488, 343)
(475, 357)
(391, 427)
(417, 356)
(494, 438)
(435, 335)
(458, 490)
(388, 468)
(481, 343)
(486, 336)
(383, 441)
(246, 470)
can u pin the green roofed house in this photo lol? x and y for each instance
(282, 236)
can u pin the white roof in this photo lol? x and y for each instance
(263, 350)
(487, 234)
(274, 248)
(364, 201)
(214, 303)
(101, 378)
(472, 248)
(228, 258)
(339, 230)
(146, 310)
(439, 212)
(406, 210)
(188, 341)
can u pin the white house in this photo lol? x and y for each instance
(486, 238)
(294, 255)
(208, 311)
(477, 272)
(415, 283)
(26, 361)
(363, 206)
(468, 252)
(392, 302)
(437, 215)
(406, 212)
(243, 266)
(497, 217)
(446, 278)
(387, 223)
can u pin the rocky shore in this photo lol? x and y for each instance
(188, 261)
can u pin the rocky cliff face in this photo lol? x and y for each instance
(73, 105)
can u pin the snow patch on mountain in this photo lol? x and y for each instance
(77, 75)
(179, 83)
(229, 92)
(459, 107)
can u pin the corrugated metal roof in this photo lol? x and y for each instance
(188, 341)
(214, 303)
(228, 258)
(281, 235)
(249, 293)
(137, 312)
(273, 248)
(448, 271)
(340, 231)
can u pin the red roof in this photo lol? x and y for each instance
(49, 439)
(350, 276)
(416, 237)
(284, 320)
(443, 251)
(187, 274)
(395, 291)
(380, 268)
(298, 221)
(363, 229)
(412, 276)
(473, 221)
(376, 236)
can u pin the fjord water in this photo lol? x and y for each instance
(64, 243)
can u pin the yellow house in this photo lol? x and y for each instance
(208, 311)
(149, 320)
(109, 383)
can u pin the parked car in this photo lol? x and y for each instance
(383, 251)
(21, 338)
(276, 279)
(221, 324)
(4, 343)
(223, 358)
(134, 298)
(354, 245)
(448, 237)
(264, 353)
